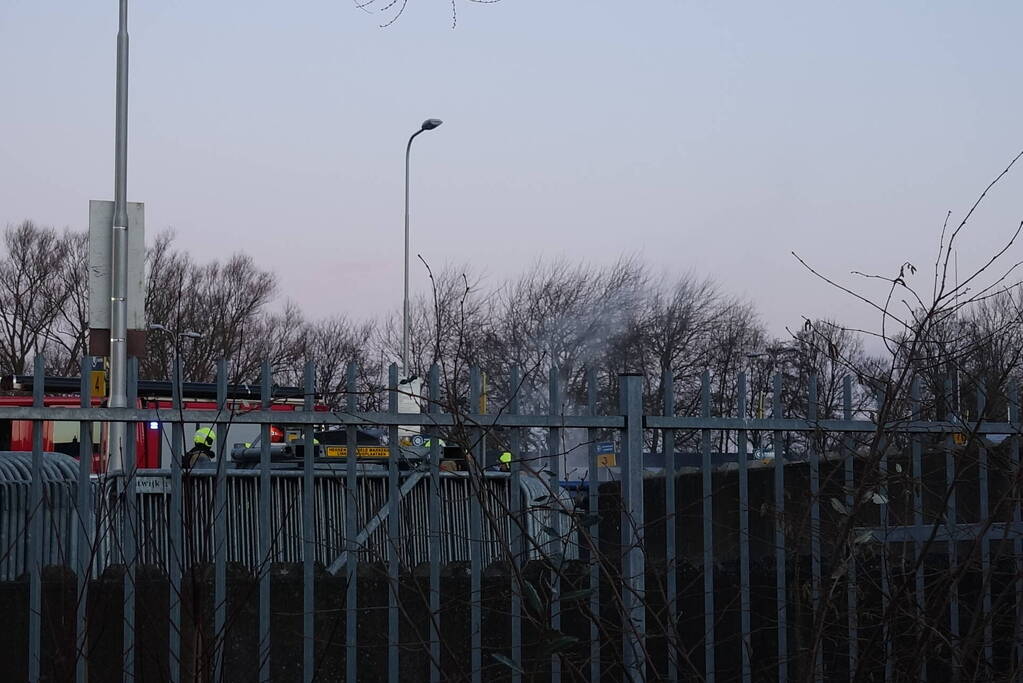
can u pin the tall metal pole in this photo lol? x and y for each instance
(119, 247)
(428, 124)
(404, 317)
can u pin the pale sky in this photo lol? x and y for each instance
(712, 137)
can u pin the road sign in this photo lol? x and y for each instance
(605, 448)
(607, 460)
(98, 378)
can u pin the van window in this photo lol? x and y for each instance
(65, 437)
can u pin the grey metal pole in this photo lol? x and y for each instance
(428, 124)
(119, 248)
(404, 314)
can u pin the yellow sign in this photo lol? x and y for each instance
(98, 378)
(606, 460)
(959, 439)
(360, 451)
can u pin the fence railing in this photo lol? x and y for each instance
(879, 545)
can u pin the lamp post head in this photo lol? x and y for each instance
(191, 334)
(156, 327)
(430, 124)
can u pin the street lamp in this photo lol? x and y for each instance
(176, 336)
(428, 124)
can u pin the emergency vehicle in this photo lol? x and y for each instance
(152, 439)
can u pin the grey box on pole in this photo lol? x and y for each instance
(101, 215)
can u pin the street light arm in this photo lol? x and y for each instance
(408, 147)
(175, 338)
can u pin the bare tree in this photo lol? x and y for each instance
(68, 334)
(32, 292)
(333, 343)
(447, 326)
(828, 352)
(563, 316)
(277, 337)
(225, 302)
(935, 327)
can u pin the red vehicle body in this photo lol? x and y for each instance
(153, 437)
(63, 436)
(60, 437)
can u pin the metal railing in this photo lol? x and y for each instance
(770, 569)
(151, 526)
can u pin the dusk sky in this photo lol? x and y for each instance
(706, 137)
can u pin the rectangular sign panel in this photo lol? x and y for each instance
(360, 451)
(101, 215)
(98, 379)
(152, 485)
(410, 394)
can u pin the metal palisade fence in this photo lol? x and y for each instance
(875, 540)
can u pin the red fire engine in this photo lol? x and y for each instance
(152, 441)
